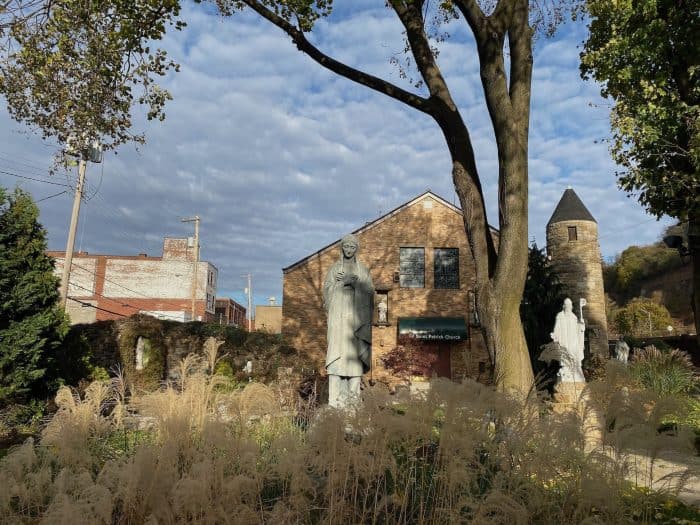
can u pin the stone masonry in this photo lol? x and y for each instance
(572, 244)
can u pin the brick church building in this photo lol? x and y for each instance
(422, 268)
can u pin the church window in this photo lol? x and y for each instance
(412, 267)
(446, 267)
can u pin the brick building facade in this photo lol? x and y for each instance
(113, 286)
(422, 267)
(268, 318)
(229, 312)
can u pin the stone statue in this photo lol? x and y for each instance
(568, 333)
(622, 350)
(381, 311)
(348, 294)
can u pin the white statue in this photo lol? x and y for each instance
(348, 295)
(622, 350)
(569, 333)
(381, 311)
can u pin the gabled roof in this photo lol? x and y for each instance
(381, 219)
(570, 208)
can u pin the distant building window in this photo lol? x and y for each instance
(412, 268)
(446, 268)
(573, 235)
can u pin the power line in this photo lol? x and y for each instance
(96, 307)
(52, 196)
(34, 179)
(33, 167)
(121, 303)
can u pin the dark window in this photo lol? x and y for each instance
(412, 268)
(446, 267)
(573, 235)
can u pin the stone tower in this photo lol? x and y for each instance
(572, 244)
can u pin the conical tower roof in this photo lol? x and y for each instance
(570, 208)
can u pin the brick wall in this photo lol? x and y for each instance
(426, 222)
(178, 248)
(268, 318)
(119, 286)
(230, 312)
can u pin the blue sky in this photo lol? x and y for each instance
(280, 157)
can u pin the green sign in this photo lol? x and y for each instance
(439, 329)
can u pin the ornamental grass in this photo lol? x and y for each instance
(193, 452)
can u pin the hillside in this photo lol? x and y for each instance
(654, 272)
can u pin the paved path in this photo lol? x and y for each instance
(667, 471)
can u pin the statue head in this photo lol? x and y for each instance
(568, 305)
(350, 245)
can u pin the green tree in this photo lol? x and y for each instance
(542, 300)
(503, 32)
(31, 324)
(624, 278)
(642, 317)
(645, 55)
(72, 67)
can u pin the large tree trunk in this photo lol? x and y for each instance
(500, 272)
(505, 339)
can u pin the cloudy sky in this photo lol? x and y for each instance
(280, 157)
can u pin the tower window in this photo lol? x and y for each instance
(573, 234)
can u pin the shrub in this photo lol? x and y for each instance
(22, 420)
(665, 372)
(642, 316)
(408, 360)
(31, 323)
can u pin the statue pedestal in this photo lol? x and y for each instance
(569, 393)
(574, 398)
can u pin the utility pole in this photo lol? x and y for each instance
(196, 220)
(68, 260)
(249, 293)
(93, 153)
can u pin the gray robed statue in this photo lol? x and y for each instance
(348, 295)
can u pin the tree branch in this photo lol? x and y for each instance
(474, 16)
(372, 82)
(464, 171)
(520, 46)
(411, 17)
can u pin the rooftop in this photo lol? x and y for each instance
(570, 208)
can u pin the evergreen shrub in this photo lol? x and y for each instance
(31, 323)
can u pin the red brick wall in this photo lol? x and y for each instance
(118, 293)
